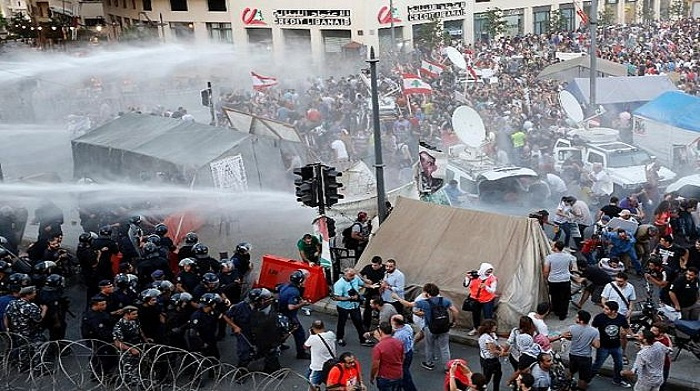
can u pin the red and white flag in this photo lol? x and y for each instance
(431, 69)
(472, 72)
(412, 84)
(260, 82)
(579, 11)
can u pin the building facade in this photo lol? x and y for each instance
(320, 27)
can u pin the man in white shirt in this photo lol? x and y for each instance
(624, 298)
(320, 352)
(341, 151)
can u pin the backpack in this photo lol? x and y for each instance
(349, 242)
(439, 318)
(327, 366)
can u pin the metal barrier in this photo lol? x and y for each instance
(66, 365)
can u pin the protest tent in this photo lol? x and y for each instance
(440, 244)
(667, 126)
(632, 90)
(580, 67)
(142, 147)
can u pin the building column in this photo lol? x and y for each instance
(318, 51)
(528, 20)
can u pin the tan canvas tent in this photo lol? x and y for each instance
(439, 244)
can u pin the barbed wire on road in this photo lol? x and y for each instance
(65, 365)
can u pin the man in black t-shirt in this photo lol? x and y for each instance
(670, 253)
(612, 209)
(372, 275)
(683, 293)
(597, 279)
(660, 276)
(611, 325)
(693, 255)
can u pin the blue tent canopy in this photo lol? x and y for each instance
(674, 108)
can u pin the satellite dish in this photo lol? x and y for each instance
(456, 57)
(468, 126)
(570, 106)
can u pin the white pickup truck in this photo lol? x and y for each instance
(625, 163)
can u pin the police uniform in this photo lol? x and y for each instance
(149, 319)
(188, 280)
(129, 333)
(290, 294)
(205, 325)
(175, 321)
(241, 314)
(24, 319)
(55, 318)
(97, 326)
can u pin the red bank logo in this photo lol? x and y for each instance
(386, 15)
(252, 17)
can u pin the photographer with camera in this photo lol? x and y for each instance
(346, 294)
(321, 345)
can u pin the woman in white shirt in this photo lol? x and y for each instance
(490, 353)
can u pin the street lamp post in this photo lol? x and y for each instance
(391, 21)
(593, 26)
(378, 161)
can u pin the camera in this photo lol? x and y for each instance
(352, 292)
(473, 274)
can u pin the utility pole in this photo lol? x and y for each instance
(211, 105)
(593, 26)
(162, 26)
(378, 161)
(391, 21)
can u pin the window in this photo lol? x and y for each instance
(541, 22)
(178, 5)
(217, 5)
(220, 32)
(570, 18)
(133, 4)
(182, 30)
(147, 5)
(595, 158)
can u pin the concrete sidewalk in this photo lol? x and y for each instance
(682, 376)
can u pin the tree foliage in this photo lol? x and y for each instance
(557, 21)
(495, 23)
(606, 17)
(431, 35)
(679, 9)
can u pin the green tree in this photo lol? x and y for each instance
(495, 23)
(678, 9)
(606, 17)
(431, 35)
(557, 21)
(20, 27)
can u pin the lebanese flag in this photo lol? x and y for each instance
(579, 11)
(260, 82)
(472, 72)
(412, 84)
(321, 230)
(431, 69)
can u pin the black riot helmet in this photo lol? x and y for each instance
(243, 247)
(87, 237)
(18, 281)
(150, 250)
(210, 280)
(297, 277)
(200, 251)
(4, 253)
(136, 220)
(105, 231)
(121, 280)
(191, 239)
(210, 299)
(181, 298)
(153, 238)
(45, 267)
(161, 230)
(5, 267)
(148, 294)
(55, 281)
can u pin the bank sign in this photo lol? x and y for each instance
(312, 17)
(435, 11)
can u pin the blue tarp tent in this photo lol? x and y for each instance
(669, 127)
(674, 108)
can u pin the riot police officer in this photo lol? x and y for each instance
(187, 280)
(205, 263)
(185, 250)
(201, 335)
(52, 296)
(88, 259)
(230, 282)
(151, 262)
(5, 272)
(97, 326)
(177, 318)
(241, 261)
(254, 322)
(290, 300)
(17, 281)
(151, 317)
(210, 284)
(125, 293)
(165, 242)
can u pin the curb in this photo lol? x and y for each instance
(327, 306)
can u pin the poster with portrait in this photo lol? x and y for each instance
(229, 174)
(430, 174)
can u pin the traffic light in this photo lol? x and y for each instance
(205, 97)
(306, 189)
(331, 185)
(330, 225)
